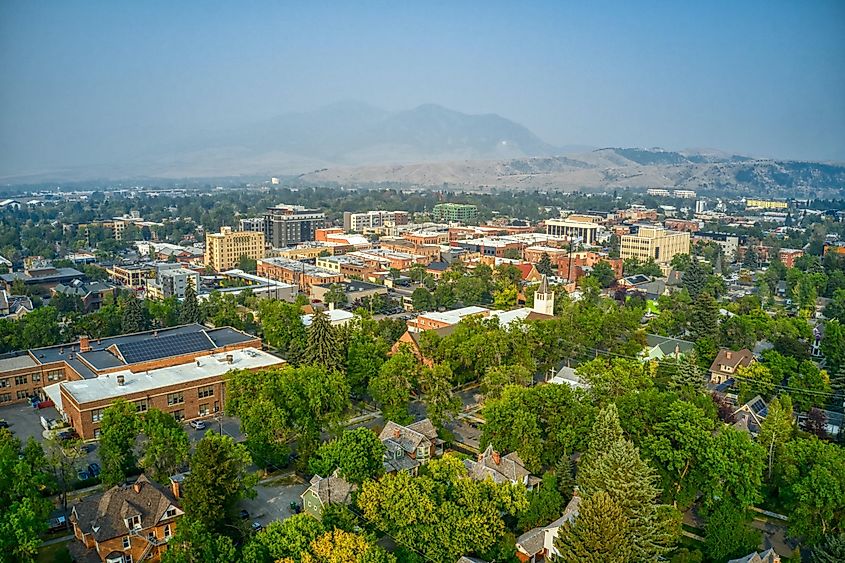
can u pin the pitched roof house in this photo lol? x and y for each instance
(768, 556)
(750, 416)
(658, 347)
(410, 446)
(727, 362)
(537, 544)
(128, 522)
(324, 491)
(502, 469)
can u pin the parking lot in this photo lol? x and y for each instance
(273, 498)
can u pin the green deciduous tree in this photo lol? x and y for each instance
(776, 429)
(287, 538)
(440, 403)
(833, 345)
(735, 469)
(391, 389)
(194, 543)
(545, 503)
(282, 325)
(755, 379)
(217, 481)
(357, 453)
(422, 299)
(728, 533)
(118, 431)
(166, 448)
(496, 378)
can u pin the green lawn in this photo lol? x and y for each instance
(54, 553)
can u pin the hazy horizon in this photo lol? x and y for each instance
(95, 83)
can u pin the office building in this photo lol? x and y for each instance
(252, 224)
(359, 222)
(455, 212)
(654, 243)
(224, 249)
(586, 231)
(765, 204)
(172, 282)
(297, 273)
(289, 225)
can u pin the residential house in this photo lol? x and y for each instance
(567, 376)
(768, 556)
(410, 446)
(324, 491)
(501, 468)
(14, 306)
(537, 544)
(750, 416)
(727, 362)
(129, 522)
(658, 347)
(92, 294)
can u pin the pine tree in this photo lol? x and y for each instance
(322, 347)
(631, 484)
(190, 309)
(606, 431)
(544, 266)
(565, 473)
(687, 373)
(837, 386)
(598, 533)
(134, 317)
(695, 279)
(704, 320)
(831, 551)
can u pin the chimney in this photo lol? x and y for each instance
(230, 359)
(155, 334)
(397, 433)
(136, 486)
(198, 363)
(176, 486)
(331, 306)
(121, 380)
(728, 354)
(84, 344)
(497, 459)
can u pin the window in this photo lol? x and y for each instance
(4, 382)
(126, 542)
(170, 513)
(141, 406)
(21, 394)
(167, 531)
(175, 398)
(96, 415)
(179, 415)
(204, 392)
(127, 558)
(36, 377)
(20, 380)
(203, 410)
(5, 397)
(55, 374)
(133, 522)
(97, 432)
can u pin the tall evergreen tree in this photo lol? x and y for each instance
(704, 320)
(614, 466)
(831, 551)
(686, 373)
(598, 533)
(544, 266)
(190, 310)
(695, 279)
(134, 315)
(322, 348)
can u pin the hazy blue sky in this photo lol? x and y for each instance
(87, 82)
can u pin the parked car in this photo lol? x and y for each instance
(197, 424)
(57, 524)
(256, 526)
(3, 423)
(94, 469)
(82, 475)
(244, 514)
(295, 508)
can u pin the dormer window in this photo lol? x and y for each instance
(133, 522)
(170, 513)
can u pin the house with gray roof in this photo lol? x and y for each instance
(658, 347)
(537, 544)
(500, 468)
(324, 491)
(408, 447)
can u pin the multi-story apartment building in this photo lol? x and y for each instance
(765, 204)
(455, 212)
(586, 231)
(684, 194)
(358, 222)
(172, 282)
(179, 370)
(654, 243)
(224, 249)
(133, 275)
(789, 255)
(289, 225)
(658, 192)
(297, 273)
(727, 242)
(252, 224)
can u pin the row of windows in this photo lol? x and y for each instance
(52, 375)
(143, 405)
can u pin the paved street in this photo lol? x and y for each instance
(273, 498)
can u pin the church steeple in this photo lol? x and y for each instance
(544, 300)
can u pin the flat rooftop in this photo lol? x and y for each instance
(213, 365)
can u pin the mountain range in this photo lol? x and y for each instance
(355, 143)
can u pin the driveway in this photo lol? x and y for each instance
(231, 426)
(273, 498)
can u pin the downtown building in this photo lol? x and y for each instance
(359, 222)
(289, 225)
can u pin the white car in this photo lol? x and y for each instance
(197, 424)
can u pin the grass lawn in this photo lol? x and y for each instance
(53, 553)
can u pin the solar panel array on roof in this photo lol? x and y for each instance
(155, 348)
